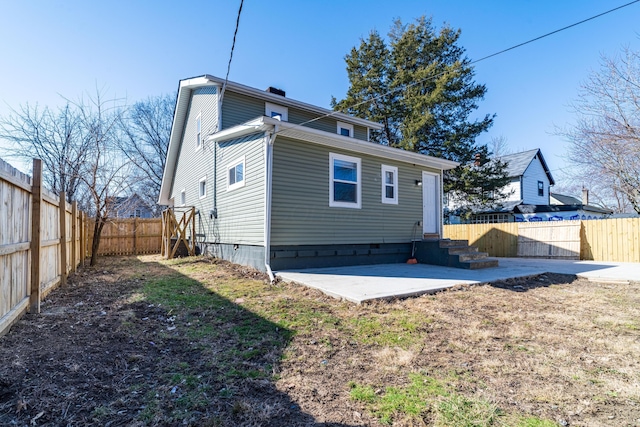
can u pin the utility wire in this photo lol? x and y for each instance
(375, 98)
(233, 45)
(554, 32)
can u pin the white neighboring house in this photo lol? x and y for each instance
(529, 188)
(530, 198)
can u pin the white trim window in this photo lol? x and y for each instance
(345, 129)
(277, 112)
(183, 197)
(236, 174)
(202, 187)
(199, 131)
(345, 184)
(389, 184)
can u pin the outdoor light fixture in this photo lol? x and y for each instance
(418, 182)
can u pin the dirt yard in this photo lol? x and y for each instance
(141, 341)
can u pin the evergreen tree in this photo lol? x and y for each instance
(419, 85)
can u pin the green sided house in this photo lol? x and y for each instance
(280, 184)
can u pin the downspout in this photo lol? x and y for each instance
(269, 140)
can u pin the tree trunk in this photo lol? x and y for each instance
(95, 243)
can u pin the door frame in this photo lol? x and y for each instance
(437, 204)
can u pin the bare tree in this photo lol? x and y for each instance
(498, 146)
(147, 129)
(56, 137)
(79, 147)
(105, 173)
(604, 143)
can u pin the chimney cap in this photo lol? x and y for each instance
(276, 91)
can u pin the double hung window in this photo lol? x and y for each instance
(199, 131)
(202, 188)
(235, 174)
(389, 184)
(345, 185)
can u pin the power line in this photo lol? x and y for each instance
(554, 32)
(233, 45)
(408, 85)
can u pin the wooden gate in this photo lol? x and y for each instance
(174, 231)
(549, 239)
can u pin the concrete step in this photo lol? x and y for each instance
(431, 236)
(477, 264)
(469, 256)
(447, 243)
(454, 250)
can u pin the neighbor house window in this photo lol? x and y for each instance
(202, 187)
(389, 184)
(235, 174)
(344, 181)
(345, 129)
(199, 131)
(183, 197)
(276, 111)
(540, 188)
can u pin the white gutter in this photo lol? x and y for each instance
(269, 140)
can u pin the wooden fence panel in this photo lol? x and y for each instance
(130, 236)
(50, 238)
(616, 240)
(549, 239)
(29, 268)
(496, 239)
(15, 226)
(149, 236)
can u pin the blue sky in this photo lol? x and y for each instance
(136, 49)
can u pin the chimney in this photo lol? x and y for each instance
(276, 91)
(478, 160)
(585, 196)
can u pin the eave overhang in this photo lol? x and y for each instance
(327, 139)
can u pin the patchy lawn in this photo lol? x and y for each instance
(142, 341)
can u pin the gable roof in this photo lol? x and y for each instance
(518, 163)
(566, 200)
(186, 87)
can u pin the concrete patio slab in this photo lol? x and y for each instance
(383, 281)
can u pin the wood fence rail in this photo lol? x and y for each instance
(41, 239)
(615, 240)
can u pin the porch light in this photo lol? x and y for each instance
(419, 182)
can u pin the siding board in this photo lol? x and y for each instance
(300, 200)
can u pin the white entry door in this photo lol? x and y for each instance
(430, 203)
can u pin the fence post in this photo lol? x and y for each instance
(82, 237)
(63, 237)
(74, 235)
(135, 235)
(36, 201)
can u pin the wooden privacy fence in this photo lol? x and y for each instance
(616, 240)
(41, 242)
(131, 236)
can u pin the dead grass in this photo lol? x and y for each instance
(230, 349)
